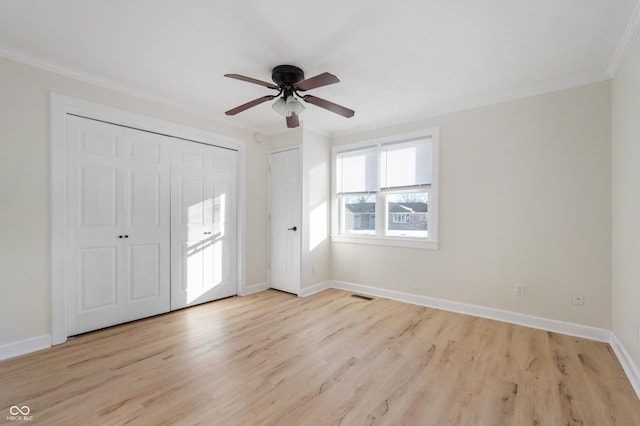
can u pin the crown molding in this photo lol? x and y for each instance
(632, 29)
(114, 86)
(626, 41)
(480, 102)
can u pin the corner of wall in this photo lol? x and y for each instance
(626, 361)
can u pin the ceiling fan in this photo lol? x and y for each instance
(289, 82)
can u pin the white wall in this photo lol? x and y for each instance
(626, 201)
(25, 194)
(316, 181)
(525, 197)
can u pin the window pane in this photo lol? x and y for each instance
(406, 164)
(359, 213)
(407, 214)
(357, 171)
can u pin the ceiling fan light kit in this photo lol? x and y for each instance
(280, 106)
(289, 82)
(288, 107)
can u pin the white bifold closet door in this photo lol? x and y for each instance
(203, 223)
(118, 223)
(151, 222)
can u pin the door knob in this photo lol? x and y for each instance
(294, 228)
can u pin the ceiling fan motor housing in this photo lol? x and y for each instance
(287, 75)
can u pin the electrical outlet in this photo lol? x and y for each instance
(578, 298)
(314, 270)
(636, 329)
(520, 290)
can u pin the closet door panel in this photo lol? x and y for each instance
(145, 199)
(145, 270)
(146, 230)
(98, 198)
(224, 220)
(191, 206)
(94, 222)
(98, 270)
(192, 200)
(193, 258)
(203, 201)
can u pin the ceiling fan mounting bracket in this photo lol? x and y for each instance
(287, 75)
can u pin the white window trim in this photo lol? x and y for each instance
(432, 242)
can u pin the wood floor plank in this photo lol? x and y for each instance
(275, 359)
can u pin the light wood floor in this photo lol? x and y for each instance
(273, 358)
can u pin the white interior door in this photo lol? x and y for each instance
(118, 224)
(285, 220)
(203, 229)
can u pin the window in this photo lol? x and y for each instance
(357, 177)
(386, 191)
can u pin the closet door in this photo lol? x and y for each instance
(203, 228)
(118, 224)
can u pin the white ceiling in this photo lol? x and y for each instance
(397, 60)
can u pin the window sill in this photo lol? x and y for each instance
(386, 241)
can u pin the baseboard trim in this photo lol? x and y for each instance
(626, 361)
(24, 346)
(571, 329)
(316, 288)
(254, 288)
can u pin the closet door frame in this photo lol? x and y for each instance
(60, 107)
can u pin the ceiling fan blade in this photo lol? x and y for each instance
(252, 80)
(319, 80)
(323, 103)
(249, 104)
(292, 121)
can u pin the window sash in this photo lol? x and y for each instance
(415, 223)
(406, 164)
(358, 222)
(357, 171)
